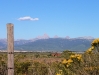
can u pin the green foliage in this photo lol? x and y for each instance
(66, 54)
(22, 67)
(3, 64)
(38, 69)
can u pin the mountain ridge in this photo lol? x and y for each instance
(50, 44)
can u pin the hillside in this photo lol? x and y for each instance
(51, 44)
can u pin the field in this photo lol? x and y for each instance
(48, 63)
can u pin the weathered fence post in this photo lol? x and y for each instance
(10, 48)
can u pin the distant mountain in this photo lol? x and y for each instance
(44, 43)
(3, 43)
(85, 37)
(56, 44)
(45, 36)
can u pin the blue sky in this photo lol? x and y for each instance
(32, 18)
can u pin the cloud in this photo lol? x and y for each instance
(28, 18)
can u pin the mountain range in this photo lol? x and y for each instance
(45, 43)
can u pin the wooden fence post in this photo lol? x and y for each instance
(10, 48)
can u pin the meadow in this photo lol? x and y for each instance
(49, 63)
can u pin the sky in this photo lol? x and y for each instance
(32, 18)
